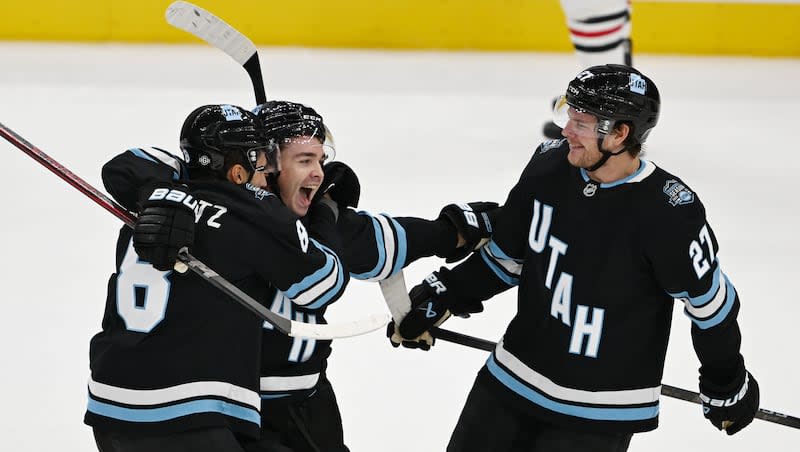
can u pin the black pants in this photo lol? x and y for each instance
(486, 425)
(308, 424)
(208, 440)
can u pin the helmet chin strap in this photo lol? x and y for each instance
(606, 155)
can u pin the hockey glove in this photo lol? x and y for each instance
(423, 342)
(165, 224)
(730, 407)
(341, 183)
(473, 221)
(429, 307)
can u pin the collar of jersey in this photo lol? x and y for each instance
(646, 168)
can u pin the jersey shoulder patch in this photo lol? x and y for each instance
(549, 145)
(677, 193)
(258, 192)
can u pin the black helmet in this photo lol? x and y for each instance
(614, 93)
(283, 120)
(210, 132)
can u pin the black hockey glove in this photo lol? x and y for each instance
(165, 224)
(732, 406)
(341, 183)
(473, 221)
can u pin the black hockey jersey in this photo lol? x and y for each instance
(374, 248)
(175, 353)
(598, 266)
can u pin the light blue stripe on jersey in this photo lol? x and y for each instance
(643, 164)
(499, 253)
(381, 250)
(313, 278)
(384, 254)
(142, 155)
(174, 411)
(700, 300)
(138, 152)
(490, 254)
(602, 414)
(722, 314)
(330, 293)
(402, 245)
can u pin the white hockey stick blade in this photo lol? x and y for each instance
(395, 295)
(210, 28)
(339, 329)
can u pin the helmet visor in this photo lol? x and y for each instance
(325, 147)
(578, 122)
(270, 164)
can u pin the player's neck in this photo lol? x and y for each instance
(616, 168)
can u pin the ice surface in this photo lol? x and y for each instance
(421, 130)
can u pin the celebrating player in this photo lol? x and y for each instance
(176, 365)
(600, 241)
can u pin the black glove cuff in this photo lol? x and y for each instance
(458, 303)
(715, 385)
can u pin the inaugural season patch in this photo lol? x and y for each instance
(550, 144)
(260, 193)
(677, 193)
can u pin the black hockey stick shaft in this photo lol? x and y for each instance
(282, 324)
(666, 390)
(253, 68)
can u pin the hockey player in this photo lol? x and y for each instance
(299, 407)
(600, 31)
(176, 365)
(600, 242)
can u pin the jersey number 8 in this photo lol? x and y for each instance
(142, 293)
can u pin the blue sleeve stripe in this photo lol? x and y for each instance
(166, 413)
(497, 269)
(381, 248)
(337, 289)
(499, 253)
(723, 312)
(141, 154)
(402, 246)
(312, 279)
(700, 300)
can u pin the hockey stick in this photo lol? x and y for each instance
(396, 297)
(282, 324)
(666, 390)
(210, 28)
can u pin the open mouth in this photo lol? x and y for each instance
(308, 192)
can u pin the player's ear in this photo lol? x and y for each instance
(238, 174)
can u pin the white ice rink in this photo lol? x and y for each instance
(421, 130)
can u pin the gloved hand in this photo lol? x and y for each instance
(732, 406)
(473, 221)
(429, 307)
(165, 224)
(423, 342)
(341, 183)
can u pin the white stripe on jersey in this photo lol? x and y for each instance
(175, 393)
(712, 306)
(165, 157)
(289, 383)
(389, 246)
(324, 286)
(553, 390)
(512, 266)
